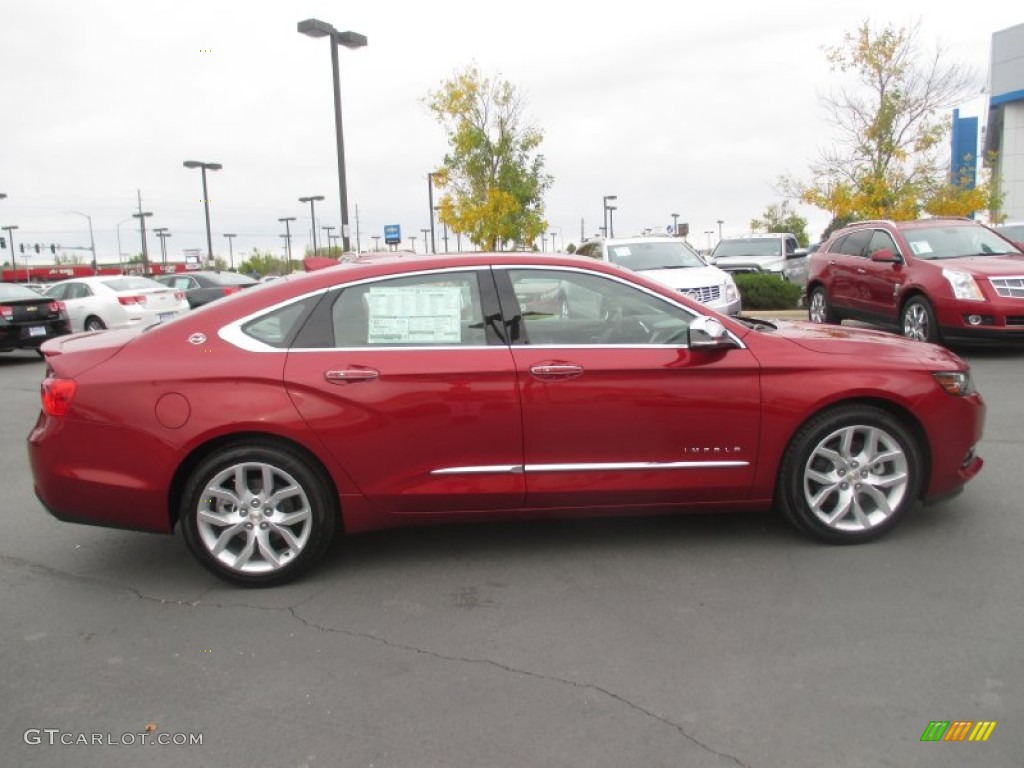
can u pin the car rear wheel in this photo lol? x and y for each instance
(93, 323)
(257, 514)
(818, 308)
(850, 474)
(918, 320)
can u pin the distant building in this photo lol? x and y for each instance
(1004, 134)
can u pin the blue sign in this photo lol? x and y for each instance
(392, 234)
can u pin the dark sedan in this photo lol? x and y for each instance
(203, 287)
(27, 319)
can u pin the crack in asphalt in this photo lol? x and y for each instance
(292, 610)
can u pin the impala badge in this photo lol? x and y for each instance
(197, 339)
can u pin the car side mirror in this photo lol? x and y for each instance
(708, 333)
(885, 255)
(797, 254)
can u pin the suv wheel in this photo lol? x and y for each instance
(917, 320)
(818, 308)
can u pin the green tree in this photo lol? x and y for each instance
(782, 218)
(889, 161)
(263, 263)
(492, 180)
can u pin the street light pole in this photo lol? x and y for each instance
(412, 242)
(141, 216)
(328, 230)
(92, 240)
(120, 254)
(231, 249)
(611, 220)
(312, 214)
(288, 239)
(675, 225)
(317, 28)
(14, 262)
(720, 223)
(206, 203)
(605, 200)
(430, 202)
(425, 232)
(162, 233)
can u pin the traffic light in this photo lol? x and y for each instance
(3, 243)
(21, 247)
(53, 248)
(37, 247)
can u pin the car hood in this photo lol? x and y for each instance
(986, 266)
(762, 262)
(686, 277)
(870, 344)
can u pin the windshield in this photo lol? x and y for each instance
(754, 247)
(640, 256)
(955, 241)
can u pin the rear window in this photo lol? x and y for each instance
(121, 284)
(14, 292)
(753, 247)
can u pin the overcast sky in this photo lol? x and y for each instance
(687, 108)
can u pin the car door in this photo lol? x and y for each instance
(878, 282)
(845, 262)
(410, 387)
(616, 409)
(76, 298)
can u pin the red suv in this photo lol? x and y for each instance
(937, 280)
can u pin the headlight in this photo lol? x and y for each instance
(956, 383)
(731, 294)
(963, 284)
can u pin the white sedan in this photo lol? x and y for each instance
(117, 301)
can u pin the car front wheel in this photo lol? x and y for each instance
(94, 324)
(850, 475)
(918, 321)
(257, 514)
(818, 308)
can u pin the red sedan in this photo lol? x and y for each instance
(402, 389)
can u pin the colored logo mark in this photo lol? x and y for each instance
(958, 730)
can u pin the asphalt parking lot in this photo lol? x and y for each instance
(700, 641)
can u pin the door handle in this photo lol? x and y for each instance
(861, 271)
(556, 370)
(351, 374)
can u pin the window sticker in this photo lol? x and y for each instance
(621, 250)
(415, 314)
(920, 247)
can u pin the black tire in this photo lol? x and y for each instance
(819, 308)
(830, 486)
(93, 323)
(249, 536)
(917, 321)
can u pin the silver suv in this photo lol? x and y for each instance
(774, 253)
(671, 261)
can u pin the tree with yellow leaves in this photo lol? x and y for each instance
(890, 160)
(492, 181)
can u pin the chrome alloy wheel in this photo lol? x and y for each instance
(916, 322)
(817, 310)
(254, 518)
(856, 478)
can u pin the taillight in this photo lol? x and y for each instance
(179, 296)
(128, 300)
(7, 312)
(55, 307)
(57, 395)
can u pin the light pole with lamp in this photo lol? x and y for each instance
(430, 203)
(376, 242)
(312, 214)
(425, 232)
(675, 225)
(554, 249)
(14, 263)
(611, 220)
(163, 234)
(720, 223)
(288, 239)
(412, 242)
(231, 248)
(206, 202)
(317, 28)
(141, 216)
(120, 254)
(92, 240)
(328, 229)
(607, 232)
(709, 233)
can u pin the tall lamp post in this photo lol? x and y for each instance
(163, 234)
(312, 215)
(608, 232)
(425, 232)
(611, 220)
(430, 202)
(141, 216)
(14, 263)
(120, 253)
(231, 249)
(675, 225)
(444, 230)
(206, 202)
(720, 223)
(92, 240)
(709, 233)
(288, 239)
(328, 229)
(317, 28)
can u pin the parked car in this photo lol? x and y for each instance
(935, 280)
(117, 301)
(203, 287)
(27, 319)
(670, 260)
(774, 253)
(387, 392)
